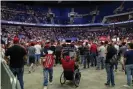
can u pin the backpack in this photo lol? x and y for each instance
(114, 60)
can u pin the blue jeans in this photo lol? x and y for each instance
(82, 57)
(100, 61)
(116, 66)
(28, 59)
(110, 74)
(86, 60)
(129, 69)
(93, 59)
(19, 72)
(47, 72)
(37, 57)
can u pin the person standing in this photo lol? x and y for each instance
(17, 59)
(82, 54)
(129, 64)
(93, 51)
(122, 51)
(31, 54)
(38, 52)
(117, 48)
(58, 50)
(111, 51)
(87, 56)
(52, 47)
(101, 56)
(46, 48)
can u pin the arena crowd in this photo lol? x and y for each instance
(72, 47)
(33, 45)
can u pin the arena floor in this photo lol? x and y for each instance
(91, 79)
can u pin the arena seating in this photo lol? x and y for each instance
(35, 14)
(27, 34)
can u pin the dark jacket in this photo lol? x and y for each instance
(82, 50)
(111, 51)
(53, 49)
(44, 51)
(87, 51)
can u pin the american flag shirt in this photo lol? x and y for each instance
(49, 61)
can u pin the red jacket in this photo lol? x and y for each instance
(49, 61)
(68, 64)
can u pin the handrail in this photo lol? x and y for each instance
(8, 80)
(60, 25)
(48, 25)
(121, 14)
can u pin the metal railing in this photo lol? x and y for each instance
(115, 15)
(8, 80)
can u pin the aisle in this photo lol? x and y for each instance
(91, 79)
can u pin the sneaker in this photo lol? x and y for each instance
(84, 67)
(102, 68)
(45, 87)
(29, 72)
(50, 83)
(115, 70)
(97, 68)
(127, 86)
(106, 84)
(113, 85)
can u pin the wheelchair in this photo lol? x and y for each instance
(72, 76)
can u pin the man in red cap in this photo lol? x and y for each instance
(17, 59)
(93, 51)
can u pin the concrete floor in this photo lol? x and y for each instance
(91, 79)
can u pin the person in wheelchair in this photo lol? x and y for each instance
(69, 64)
(71, 71)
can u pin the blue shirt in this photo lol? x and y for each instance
(129, 57)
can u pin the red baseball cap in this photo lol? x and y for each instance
(16, 40)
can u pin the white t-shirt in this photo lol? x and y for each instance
(117, 47)
(38, 49)
(102, 51)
